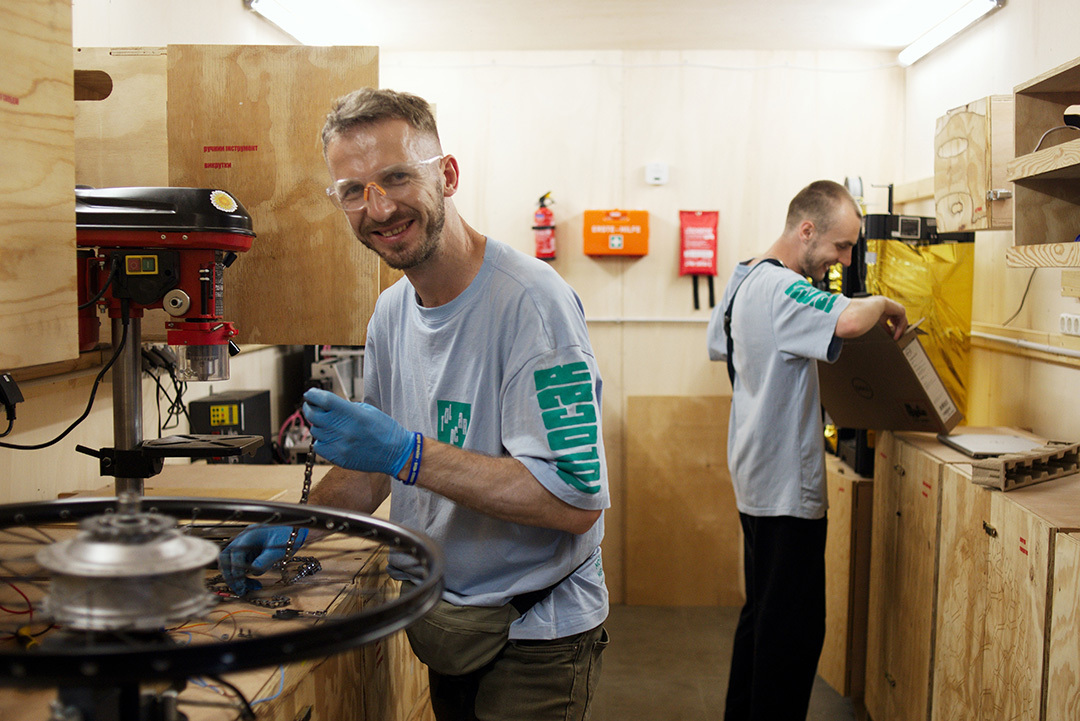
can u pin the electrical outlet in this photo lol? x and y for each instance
(1069, 324)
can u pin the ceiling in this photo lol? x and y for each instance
(442, 25)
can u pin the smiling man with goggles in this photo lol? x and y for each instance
(391, 182)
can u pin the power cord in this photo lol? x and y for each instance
(1023, 299)
(158, 361)
(1057, 127)
(246, 712)
(114, 266)
(90, 404)
(10, 395)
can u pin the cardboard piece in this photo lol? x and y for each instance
(882, 384)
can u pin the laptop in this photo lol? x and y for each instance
(987, 445)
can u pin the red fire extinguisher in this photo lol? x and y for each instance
(544, 228)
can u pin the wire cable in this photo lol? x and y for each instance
(29, 606)
(281, 687)
(246, 710)
(89, 404)
(113, 268)
(1057, 127)
(1023, 299)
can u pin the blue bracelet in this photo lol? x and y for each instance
(414, 465)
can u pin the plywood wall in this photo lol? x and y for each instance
(683, 544)
(38, 320)
(247, 119)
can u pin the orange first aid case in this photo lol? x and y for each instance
(616, 232)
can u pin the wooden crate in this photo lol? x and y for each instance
(909, 471)
(960, 623)
(907, 475)
(847, 578)
(972, 147)
(38, 316)
(245, 119)
(1027, 522)
(679, 495)
(1063, 659)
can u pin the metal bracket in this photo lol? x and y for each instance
(124, 464)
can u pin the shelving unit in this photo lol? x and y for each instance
(1047, 179)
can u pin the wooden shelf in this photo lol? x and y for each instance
(1054, 163)
(1049, 255)
(1046, 192)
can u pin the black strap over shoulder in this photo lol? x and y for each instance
(727, 317)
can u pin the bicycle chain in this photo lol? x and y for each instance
(290, 546)
(308, 565)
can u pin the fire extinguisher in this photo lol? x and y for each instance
(544, 228)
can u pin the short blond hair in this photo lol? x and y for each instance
(370, 105)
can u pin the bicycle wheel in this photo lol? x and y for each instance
(95, 592)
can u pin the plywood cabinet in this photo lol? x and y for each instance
(1063, 658)
(972, 147)
(245, 119)
(960, 618)
(907, 481)
(1029, 523)
(38, 317)
(930, 597)
(969, 633)
(847, 578)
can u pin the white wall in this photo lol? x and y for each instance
(152, 23)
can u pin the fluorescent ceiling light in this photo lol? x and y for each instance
(310, 22)
(948, 27)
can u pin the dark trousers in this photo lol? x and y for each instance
(782, 626)
(528, 681)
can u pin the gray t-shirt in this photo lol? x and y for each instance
(505, 369)
(781, 327)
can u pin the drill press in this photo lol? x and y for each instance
(143, 248)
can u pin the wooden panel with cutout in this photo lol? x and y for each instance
(972, 146)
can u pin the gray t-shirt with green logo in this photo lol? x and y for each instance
(781, 326)
(505, 369)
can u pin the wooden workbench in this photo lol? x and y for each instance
(381, 681)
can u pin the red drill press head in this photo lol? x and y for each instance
(163, 248)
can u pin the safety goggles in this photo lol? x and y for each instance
(392, 182)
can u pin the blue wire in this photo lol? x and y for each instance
(281, 687)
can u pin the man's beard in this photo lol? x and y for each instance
(411, 257)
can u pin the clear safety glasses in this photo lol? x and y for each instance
(392, 182)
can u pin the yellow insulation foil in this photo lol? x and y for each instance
(932, 282)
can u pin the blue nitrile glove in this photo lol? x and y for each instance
(356, 436)
(255, 549)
